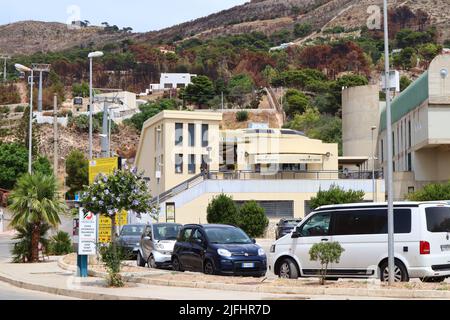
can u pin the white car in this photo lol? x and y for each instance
(422, 242)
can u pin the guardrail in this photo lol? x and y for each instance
(255, 175)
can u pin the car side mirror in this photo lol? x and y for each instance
(254, 241)
(296, 234)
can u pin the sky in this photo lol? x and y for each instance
(141, 15)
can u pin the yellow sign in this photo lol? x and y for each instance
(103, 165)
(104, 226)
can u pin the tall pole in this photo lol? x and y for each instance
(390, 169)
(109, 133)
(30, 133)
(105, 147)
(40, 92)
(55, 135)
(373, 167)
(90, 109)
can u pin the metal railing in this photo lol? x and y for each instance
(255, 175)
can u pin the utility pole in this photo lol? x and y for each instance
(105, 137)
(38, 67)
(55, 135)
(390, 169)
(5, 59)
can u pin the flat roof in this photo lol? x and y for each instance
(353, 160)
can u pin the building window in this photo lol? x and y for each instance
(409, 162)
(382, 150)
(178, 134)
(205, 133)
(294, 167)
(191, 134)
(191, 165)
(393, 166)
(393, 142)
(409, 135)
(179, 163)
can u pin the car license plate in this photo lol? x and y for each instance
(248, 265)
(445, 247)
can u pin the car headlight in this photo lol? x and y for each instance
(272, 248)
(137, 244)
(224, 253)
(261, 252)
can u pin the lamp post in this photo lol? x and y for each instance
(390, 169)
(373, 165)
(22, 68)
(91, 56)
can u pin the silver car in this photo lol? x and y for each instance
(156, 244)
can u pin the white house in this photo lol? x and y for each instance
(172, 81)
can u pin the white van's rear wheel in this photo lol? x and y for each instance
(400, 273)
(288, 269)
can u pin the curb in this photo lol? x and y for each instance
(357, 292)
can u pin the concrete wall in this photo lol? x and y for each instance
(191, 206)
(439, 86)
(360, 112)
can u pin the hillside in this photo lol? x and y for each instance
(269, 16)
(28, 37)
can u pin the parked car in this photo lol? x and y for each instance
(218, 249)
(422, 242)
(156, 244)
(286, 226)
(129, 238)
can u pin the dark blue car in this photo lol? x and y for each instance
(218, 249)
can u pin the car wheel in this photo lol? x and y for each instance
(176, 265)
(152, 262)
(208, 267)
(288, 269)
(400, 273)
(140, 261)
(432, 279)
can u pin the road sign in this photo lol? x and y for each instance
(87, 238)
(102, 165)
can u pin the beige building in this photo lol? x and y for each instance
(189, 161)
(420, 128)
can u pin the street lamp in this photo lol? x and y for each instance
(390, 156)
(91, 56)
(22, 68)
(373, 165)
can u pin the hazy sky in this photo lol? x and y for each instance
(141, 15)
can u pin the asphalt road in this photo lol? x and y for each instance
(9, 292)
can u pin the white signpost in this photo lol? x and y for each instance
(87, 236)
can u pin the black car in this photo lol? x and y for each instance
(218, 249)
(286, 226)
(129, 239)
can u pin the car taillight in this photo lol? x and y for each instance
(424, 247)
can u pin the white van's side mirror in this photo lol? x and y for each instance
(296, 233)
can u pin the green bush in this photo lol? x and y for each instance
(19, 109)
(336, 195)
(113, 255)
(431, 192)
(60, 244)
(242, 116)
(223, 210)
(325, 253)
(252, 219)
(81, 124)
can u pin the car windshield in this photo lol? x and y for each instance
(438, 219)
(132, 230)
(291, 223)
(166, 231)
(227, 236)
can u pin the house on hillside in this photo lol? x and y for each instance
(170, 81)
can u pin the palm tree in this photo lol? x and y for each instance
(21, 251)
(35, 201)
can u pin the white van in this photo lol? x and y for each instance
(422, 242)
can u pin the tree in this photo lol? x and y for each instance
(238, 87)
(295, 102)
(242, 116)
(302, 29)
(35, 201)
(223, 210)
(13, 164)
(336, 195)
(60, 244)
(252, 219)
(404, 83)
(22, 249)
(42, 165)
(77, 170)
(122, 190)
(325, 253)
(80, 90)
(148, 111)
(200, 91)
(431, 192)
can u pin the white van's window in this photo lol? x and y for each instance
(317, 226)
(438, 219)
(373, 221)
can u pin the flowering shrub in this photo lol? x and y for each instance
(122, 190)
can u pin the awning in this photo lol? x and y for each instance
(285, 158)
